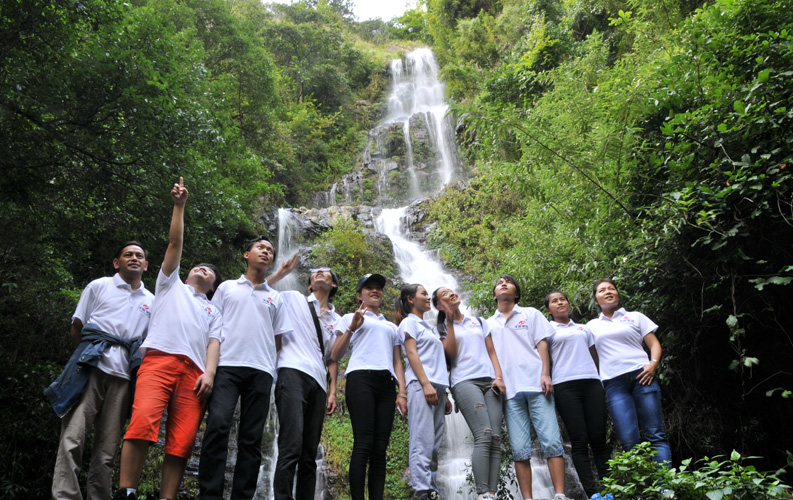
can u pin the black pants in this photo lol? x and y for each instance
(253, 388)
(371, 399)
(582, 405)
(300, 402)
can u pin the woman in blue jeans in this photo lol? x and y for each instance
(628, 375)
(578, 392)
(477, 385)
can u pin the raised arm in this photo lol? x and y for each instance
(283, 271)
(343, 341)
(173, 255)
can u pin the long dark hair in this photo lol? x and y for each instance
(441, 322)
(548, 301)
(402, 307)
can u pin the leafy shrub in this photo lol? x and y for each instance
(635, 475)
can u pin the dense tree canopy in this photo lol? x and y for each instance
(645, 141)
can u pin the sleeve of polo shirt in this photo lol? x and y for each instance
(485, 327)
(490, 326)
(87, 303)
(282, 324)
(540, 326)
(590, 337)
(645, 324)
(408, 328)
(216, 326)
(166, 282)
(397, 340)
(219, 298)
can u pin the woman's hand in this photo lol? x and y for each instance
(402, 406)
(430, 394)
(648, 373)
(498, 386)
(449, 408)
(357, 318)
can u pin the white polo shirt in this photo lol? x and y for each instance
(300, 346)
(472, 359)
(515, 339)
(183, 321)
(372, 344)
(429, 348)
(252, 317)
(112, 305)
(570, 358)
(619, 341)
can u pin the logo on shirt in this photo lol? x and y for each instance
(474, 323)
(270, 299)
(144, 308)
(210, 309)
(521, 325)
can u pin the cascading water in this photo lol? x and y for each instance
(411, 154)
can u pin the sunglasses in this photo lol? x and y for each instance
(318, 269)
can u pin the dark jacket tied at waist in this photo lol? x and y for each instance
(71, 384)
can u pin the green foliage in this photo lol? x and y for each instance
(654, 149)
(351, 253)
(633, 474)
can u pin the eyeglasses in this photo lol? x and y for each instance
(318, 269)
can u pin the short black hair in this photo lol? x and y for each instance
(130, 243)
(510, 279)
(218, 278)
(258, 239)
(335, 280)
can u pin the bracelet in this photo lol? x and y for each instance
(499, 378)
(653, 360)
(400, 395)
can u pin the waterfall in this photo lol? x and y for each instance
(287, 246)
(411, 154)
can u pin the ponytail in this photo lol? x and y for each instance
(402, 307)
(441, 322)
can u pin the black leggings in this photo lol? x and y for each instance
(371, 399)
(582, 405)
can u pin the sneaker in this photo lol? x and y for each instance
(433, 495)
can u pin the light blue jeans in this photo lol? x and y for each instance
(528, 408)
(426, 424)
(633, 405)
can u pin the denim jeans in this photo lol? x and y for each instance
(527, 409)
(582, 406)
(300, 402)
(371, 400)
(252, 387)
(482, 410)
(426, 424)
(632, 406)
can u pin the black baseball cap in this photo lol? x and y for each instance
(377, 278)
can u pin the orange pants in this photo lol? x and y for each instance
(167, 381)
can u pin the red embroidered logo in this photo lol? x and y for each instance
(270, 299)
(146, 306)
(209, 309)
(521, 322)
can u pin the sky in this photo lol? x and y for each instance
(384, 9)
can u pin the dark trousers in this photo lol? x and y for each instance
(582, 406)
(253, 388)
(300, 402)
(371, 399)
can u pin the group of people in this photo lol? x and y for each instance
(206, 344)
